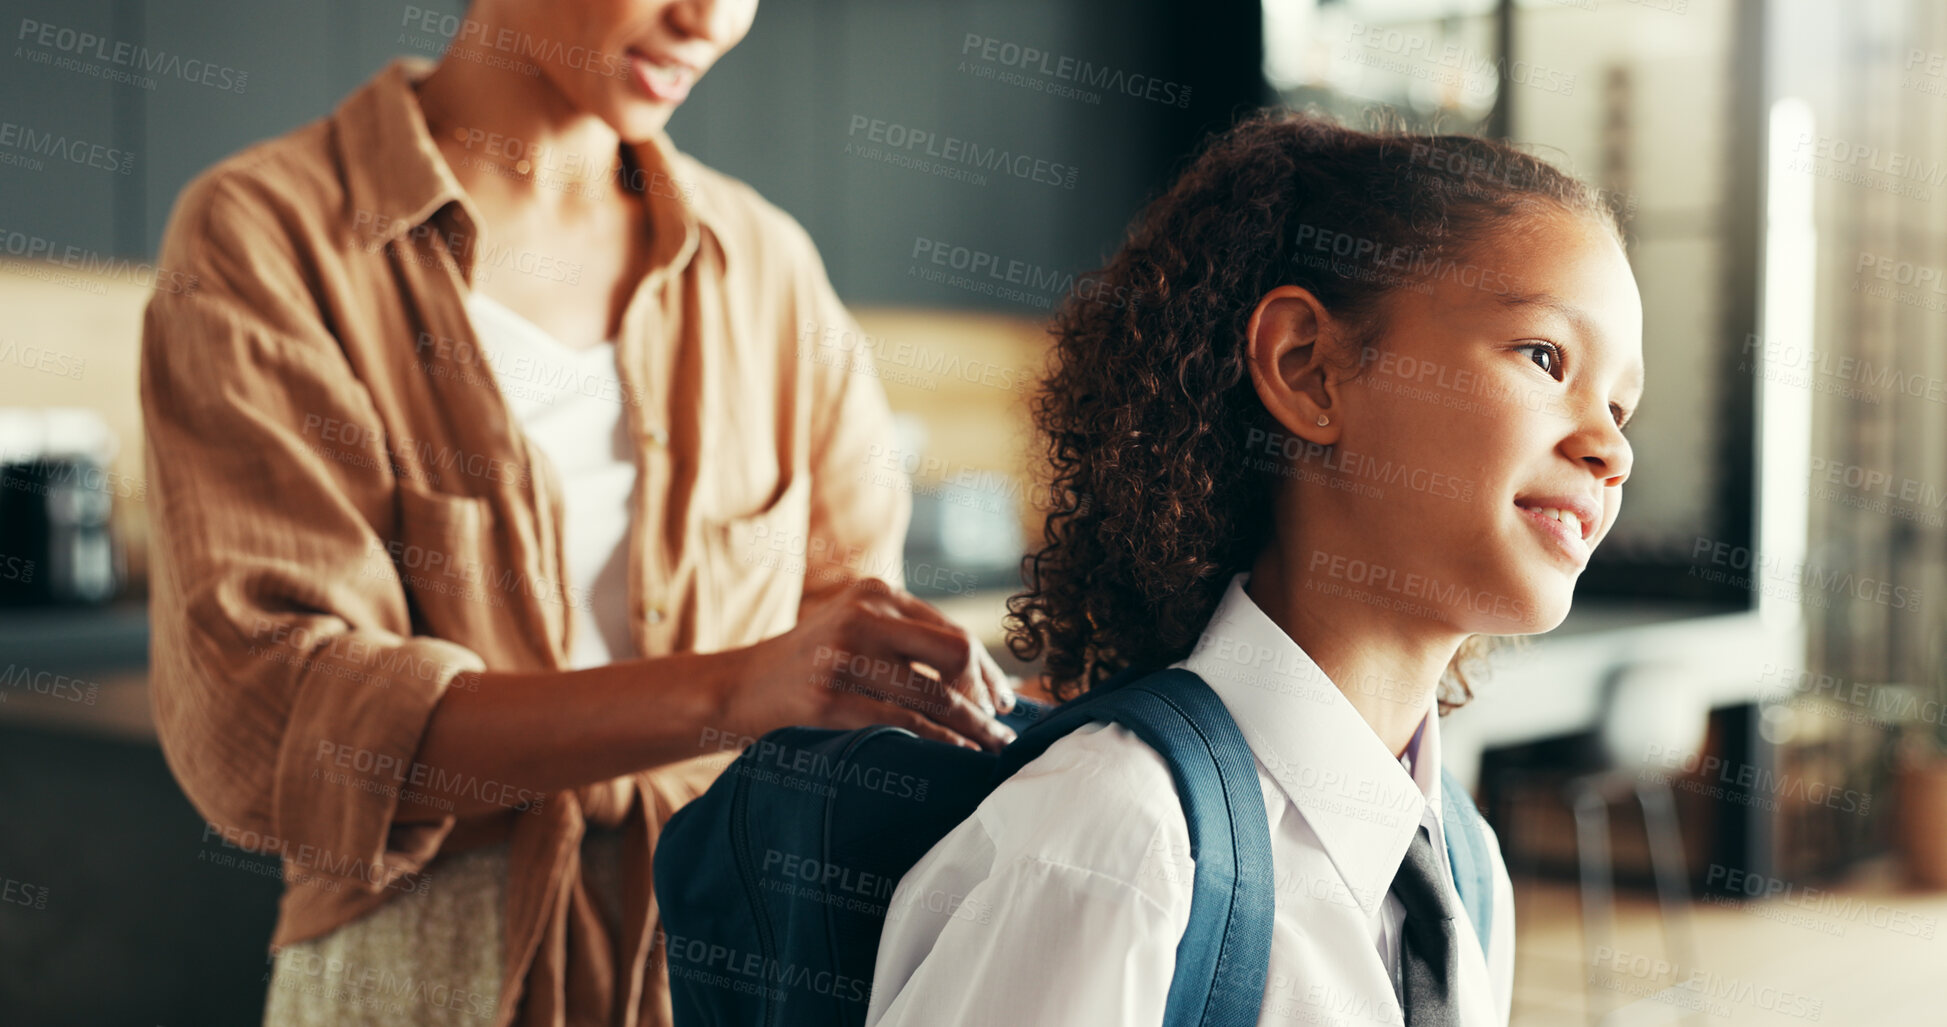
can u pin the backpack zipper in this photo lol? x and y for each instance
(740, 844)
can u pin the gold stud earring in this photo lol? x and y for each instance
(1323, 420)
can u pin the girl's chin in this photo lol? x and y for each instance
(1535, 609)
(1544, 613)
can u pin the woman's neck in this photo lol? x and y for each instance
(1387, 663)
(487, 120)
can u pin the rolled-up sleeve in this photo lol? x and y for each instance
(285, 675)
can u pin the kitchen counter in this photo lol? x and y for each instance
(77, 669)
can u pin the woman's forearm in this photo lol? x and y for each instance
(495, 735)
(497, 739)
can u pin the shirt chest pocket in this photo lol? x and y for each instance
(443, 552)
(754, 568)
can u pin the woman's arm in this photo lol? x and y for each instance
(537, 732)
(528, 733)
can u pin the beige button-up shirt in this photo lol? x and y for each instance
(346, 517)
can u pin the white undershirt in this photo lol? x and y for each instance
(568, 401)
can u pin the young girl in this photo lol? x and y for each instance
(1365, 404)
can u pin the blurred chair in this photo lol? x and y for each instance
(1646, 708)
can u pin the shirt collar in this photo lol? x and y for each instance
(397, 179)
(1357, 797)
(1422, 758)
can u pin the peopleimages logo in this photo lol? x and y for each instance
(1415, 266)
(463, 33)
(352, 982)
(1021, 281)
(374, 768)
(32, 142)
(79, 46)
(1442, 594)
(1415, 56)
(847, 346)
(1747, 783)
(902, 141)
(1295, 449)
(1837, 909)
(50, 684)
(828, 875)
(1029, 60)
(324, 860)
(39, 255)
(775, 762)
(1796, 576)
(711, 963)
(20, 893)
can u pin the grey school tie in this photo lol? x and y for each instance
(1429, 951)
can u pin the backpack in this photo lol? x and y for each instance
(773, 885)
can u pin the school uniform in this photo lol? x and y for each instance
(1062, 899)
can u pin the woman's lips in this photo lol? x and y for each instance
(664, 81)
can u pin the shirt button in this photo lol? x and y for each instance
(659, 436)
(656, 615)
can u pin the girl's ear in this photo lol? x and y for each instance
(1289, 344)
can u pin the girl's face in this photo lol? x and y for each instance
(1478, 452)
(628, 62)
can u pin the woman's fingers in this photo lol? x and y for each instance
(877, 709)
(988, 674)
(998, 683)
(924, 728)
(911, 691)
(912, 663)
(953, 714)
(976, 722)
(945, 648)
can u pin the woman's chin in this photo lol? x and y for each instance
(638, 121)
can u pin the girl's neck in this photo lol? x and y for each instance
(1387, 663)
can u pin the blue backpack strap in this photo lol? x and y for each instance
(1467, 854)
(1225, 954)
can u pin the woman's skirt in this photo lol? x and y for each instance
(424, 958)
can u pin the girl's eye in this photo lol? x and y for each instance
(1553, 363)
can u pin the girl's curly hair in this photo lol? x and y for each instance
(1148, 403)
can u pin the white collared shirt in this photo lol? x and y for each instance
(1062, 899)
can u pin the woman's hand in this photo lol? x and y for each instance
(874, 655)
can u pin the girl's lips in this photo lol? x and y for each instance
(1559, 536)
(665, 82)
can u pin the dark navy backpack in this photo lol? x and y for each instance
(773, 885)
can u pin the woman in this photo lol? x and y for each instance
(495, 507)
(1368, 406)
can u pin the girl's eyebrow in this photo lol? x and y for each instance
(1547, 301)
(1572, 314)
